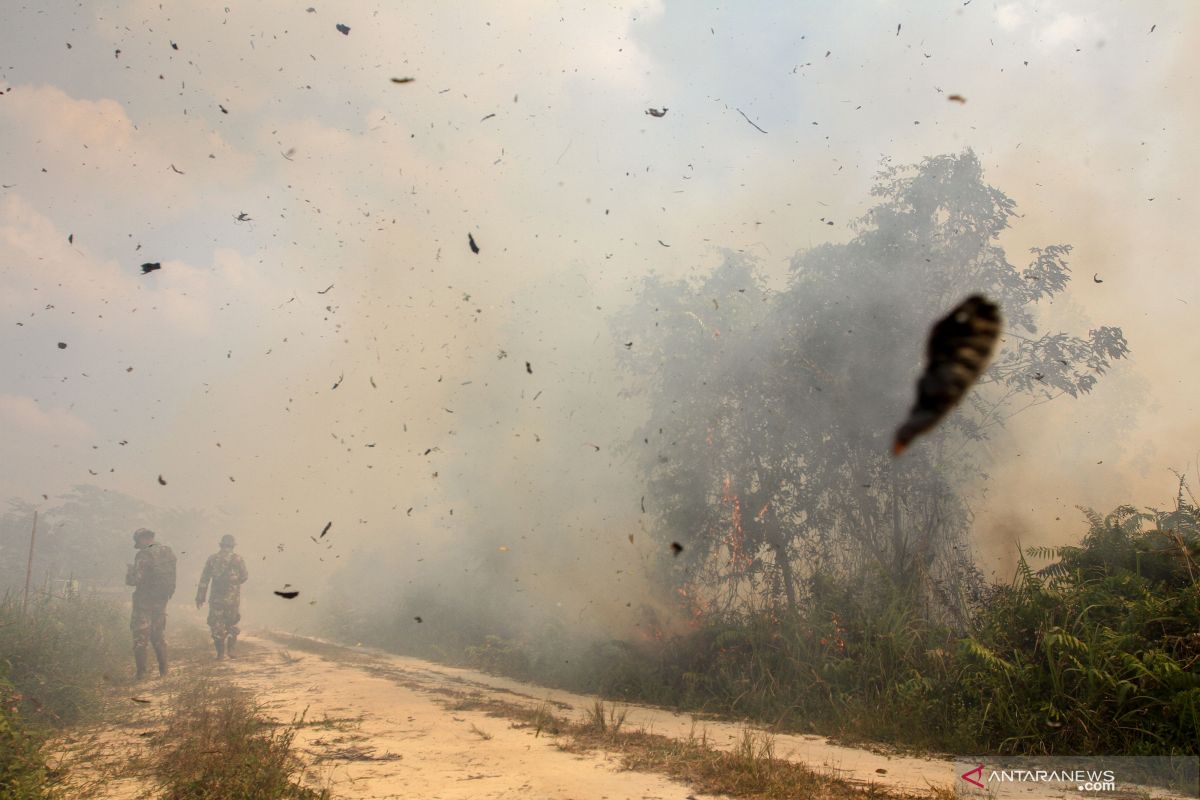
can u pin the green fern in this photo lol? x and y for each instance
(978, 651)
(1039, 551)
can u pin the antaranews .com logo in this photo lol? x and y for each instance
(1037, 777)
(1098, 780)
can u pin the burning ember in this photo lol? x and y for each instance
(736, 539)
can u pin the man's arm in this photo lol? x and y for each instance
(241, 575)
(133, 574)
(171, 561)
(205, 577)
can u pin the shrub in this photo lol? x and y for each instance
(58, 652)
(221, 747)
(23, 772)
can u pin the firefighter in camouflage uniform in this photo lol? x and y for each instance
(152, 574)
(227, 572)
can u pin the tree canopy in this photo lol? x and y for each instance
(766, 450)
(86, 534)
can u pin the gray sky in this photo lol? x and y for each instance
(525, 126)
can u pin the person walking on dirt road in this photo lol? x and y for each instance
(152, 574)
(227, 571)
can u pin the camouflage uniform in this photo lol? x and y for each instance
(153, 576)
(227, 572)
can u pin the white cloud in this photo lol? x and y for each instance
(1011, 16)
(1065, 26)
(21, 413)
(38, 266)
(96, 147)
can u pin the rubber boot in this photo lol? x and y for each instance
(160, 652)
(139, 658)
(229, 646)
(220, 644)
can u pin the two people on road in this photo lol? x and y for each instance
(152, 574)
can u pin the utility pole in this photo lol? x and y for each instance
(29, 566)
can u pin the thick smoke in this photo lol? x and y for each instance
(323, 346)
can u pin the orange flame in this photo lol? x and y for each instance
(736, 541)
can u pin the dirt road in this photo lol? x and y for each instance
(377, 725)
(394, 731)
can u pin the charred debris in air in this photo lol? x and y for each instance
(957, 353)
(959, 347)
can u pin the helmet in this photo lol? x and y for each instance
(228, 541)
(143, 534)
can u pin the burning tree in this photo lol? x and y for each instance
(766, 450)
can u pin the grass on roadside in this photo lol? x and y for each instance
(604, 720)
(23, 771)
(54, 657)
(59, 652)
(751, 770)
(219, 745)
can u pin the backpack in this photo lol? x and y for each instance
(159, 575)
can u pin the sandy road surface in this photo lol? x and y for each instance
(379, 725)
(392, 735)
